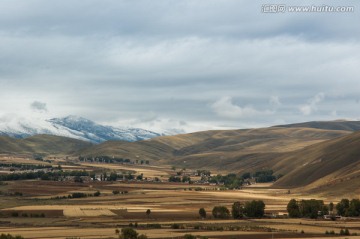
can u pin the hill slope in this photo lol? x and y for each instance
(331, 125)
(334, 164)
(225, 150)
(41, 144)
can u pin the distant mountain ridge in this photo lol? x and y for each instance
(72, 127)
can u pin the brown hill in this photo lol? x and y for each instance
(41, 144)
(331, 165)
(224, 150)
(332, 125)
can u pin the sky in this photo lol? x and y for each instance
(189, 65)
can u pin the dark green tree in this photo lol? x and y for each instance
(202, 213)
(343, 206)
(354, 208)
(237, 210)
(293, 208)
(220, 212)
(254, 208)
(331, 206)
(148, 212)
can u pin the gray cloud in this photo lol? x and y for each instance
(208, 64)
(38, 106)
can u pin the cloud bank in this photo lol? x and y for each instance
(202, 64)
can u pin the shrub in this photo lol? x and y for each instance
(142, 236)
(189, 236)
(153, 225)
(14, 214)
(175, 226)
(128, 233)
(8, 236)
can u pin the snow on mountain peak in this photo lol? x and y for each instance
(70, 126)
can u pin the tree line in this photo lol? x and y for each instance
(313, 208)
(250, 209)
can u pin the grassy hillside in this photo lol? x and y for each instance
(332, 125)
(328, 165)
(41, 144)
(225, 150)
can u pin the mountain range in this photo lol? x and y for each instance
(72, 127)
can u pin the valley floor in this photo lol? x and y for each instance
(37, 214)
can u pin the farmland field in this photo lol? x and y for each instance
(43, 209)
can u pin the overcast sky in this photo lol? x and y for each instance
(193, 65)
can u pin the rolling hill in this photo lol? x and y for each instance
(332, 165)
(41, 144)
(224, 150)
(311, 156)
(332, 125)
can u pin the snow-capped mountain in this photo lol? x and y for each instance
(70, 126)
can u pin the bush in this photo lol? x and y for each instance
(128, 233)
(115, 192)
(97, 193)
(344, 232)
(142, 236)
(78, 195)
(175, 226)
(14, 214)
(153, 225)
(189, 236)
(8, 236)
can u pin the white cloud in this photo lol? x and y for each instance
(224, 107)
(312, 105)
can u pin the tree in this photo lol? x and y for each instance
(354, 208)
(148, 212)
(220, 212)
(331, 207)
(128, 233)
(342, 207)
(311, 208)
(293, 208)
(254, 208)
(237, 210)
(202, 212)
